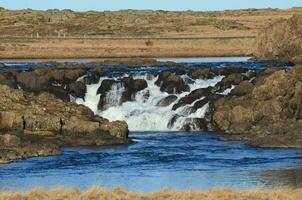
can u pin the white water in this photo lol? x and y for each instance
(143, 114)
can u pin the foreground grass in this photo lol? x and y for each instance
(118, 194)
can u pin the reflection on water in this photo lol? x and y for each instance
(283, 178)
(158, 160)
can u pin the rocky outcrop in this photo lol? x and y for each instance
(33, 125)
(209, 73)
(267, 113)
(281, 40)
(229, 81)
(171, 83)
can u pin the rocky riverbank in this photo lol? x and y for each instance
(38, 125)
(261, 107)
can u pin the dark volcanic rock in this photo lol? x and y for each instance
(171, 83)
(8, 79)
(199, 124)
(45, 79)
(77, 89)
(106, 86)
(193, 96)
(167, 101)
(132, 87)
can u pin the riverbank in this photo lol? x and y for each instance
(118, 194)
(55, 34)
(60, 48)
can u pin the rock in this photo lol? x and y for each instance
(193, 96)
(209, 73)
(244, 88)
(199, 124)
(10, 140)
(52, 80)
(203, 73)
(132, 87)
(116, 128)
(281, 40)
(226, 71)
(172, 121)
(59, 92)
(105, 87)
(166, 101)
(44, 123)
(229, 81)
(10, 120)
(260, 110)
(77, 89)
(2, 65)
(7, 79)
(171, 83)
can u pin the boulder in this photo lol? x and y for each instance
(203, 73)
(229, 81)
(196, 124)
(171, 83)
(166, 101)
(7, 79)
(193, 96)
(132, 87)
(77, 89)
(105, 87)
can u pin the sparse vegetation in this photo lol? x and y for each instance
(129, 23)
(118, 194)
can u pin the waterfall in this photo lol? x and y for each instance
(143, 113)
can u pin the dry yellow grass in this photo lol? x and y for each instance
(118, 194)
(66, 34)
(113, 48)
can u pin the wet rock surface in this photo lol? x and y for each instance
(193, 96)
(167, 101)
(171, 82)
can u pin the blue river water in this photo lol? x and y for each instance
(174, 160)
